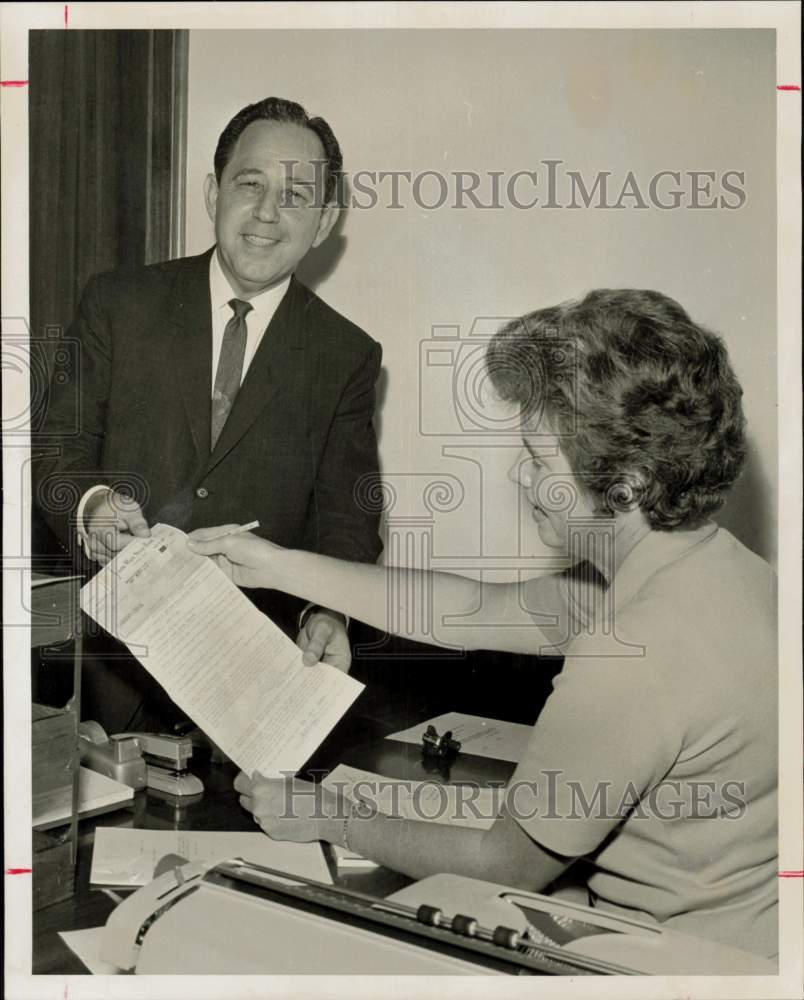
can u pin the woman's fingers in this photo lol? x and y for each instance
(242, 550)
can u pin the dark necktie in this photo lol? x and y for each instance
(230, 366)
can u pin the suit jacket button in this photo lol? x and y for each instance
(202, 492)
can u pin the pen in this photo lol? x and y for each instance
(235, 531)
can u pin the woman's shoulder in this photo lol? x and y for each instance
(714, 587)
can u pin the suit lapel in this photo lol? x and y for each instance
(276, 357)
(191, 318)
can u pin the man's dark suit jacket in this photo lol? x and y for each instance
(297, 452)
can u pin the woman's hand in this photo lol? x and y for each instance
(248, 561)
(290, 809)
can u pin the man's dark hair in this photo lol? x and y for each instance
(277, 109)
(638, 392)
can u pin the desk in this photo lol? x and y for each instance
(219, 809)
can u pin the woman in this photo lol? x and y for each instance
(655, 755)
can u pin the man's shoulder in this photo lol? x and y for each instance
(328, 322)
(139, 279)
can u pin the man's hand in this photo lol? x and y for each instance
(324, 638)
(288, 810)
(112, 522)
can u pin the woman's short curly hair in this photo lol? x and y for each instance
(642, 397)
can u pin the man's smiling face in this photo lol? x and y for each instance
(268, 208)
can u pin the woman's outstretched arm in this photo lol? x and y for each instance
(431, 607)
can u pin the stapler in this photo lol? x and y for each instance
(141, 760)
(166, 762)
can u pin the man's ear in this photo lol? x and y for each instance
(329, 216)
(211, 195)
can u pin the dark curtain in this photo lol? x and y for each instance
(105, 120)
(107, 152)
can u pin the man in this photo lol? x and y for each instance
(219, 389)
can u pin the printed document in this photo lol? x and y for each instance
(224, 663)
(478, 736)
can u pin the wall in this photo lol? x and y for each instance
(505, 101)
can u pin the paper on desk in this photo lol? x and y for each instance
(86, 945)
(229, 667)
(345, 858)
(478, 736)
(96, 793)
(124, 856)
(455, 805)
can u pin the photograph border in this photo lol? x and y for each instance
(17, 20)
